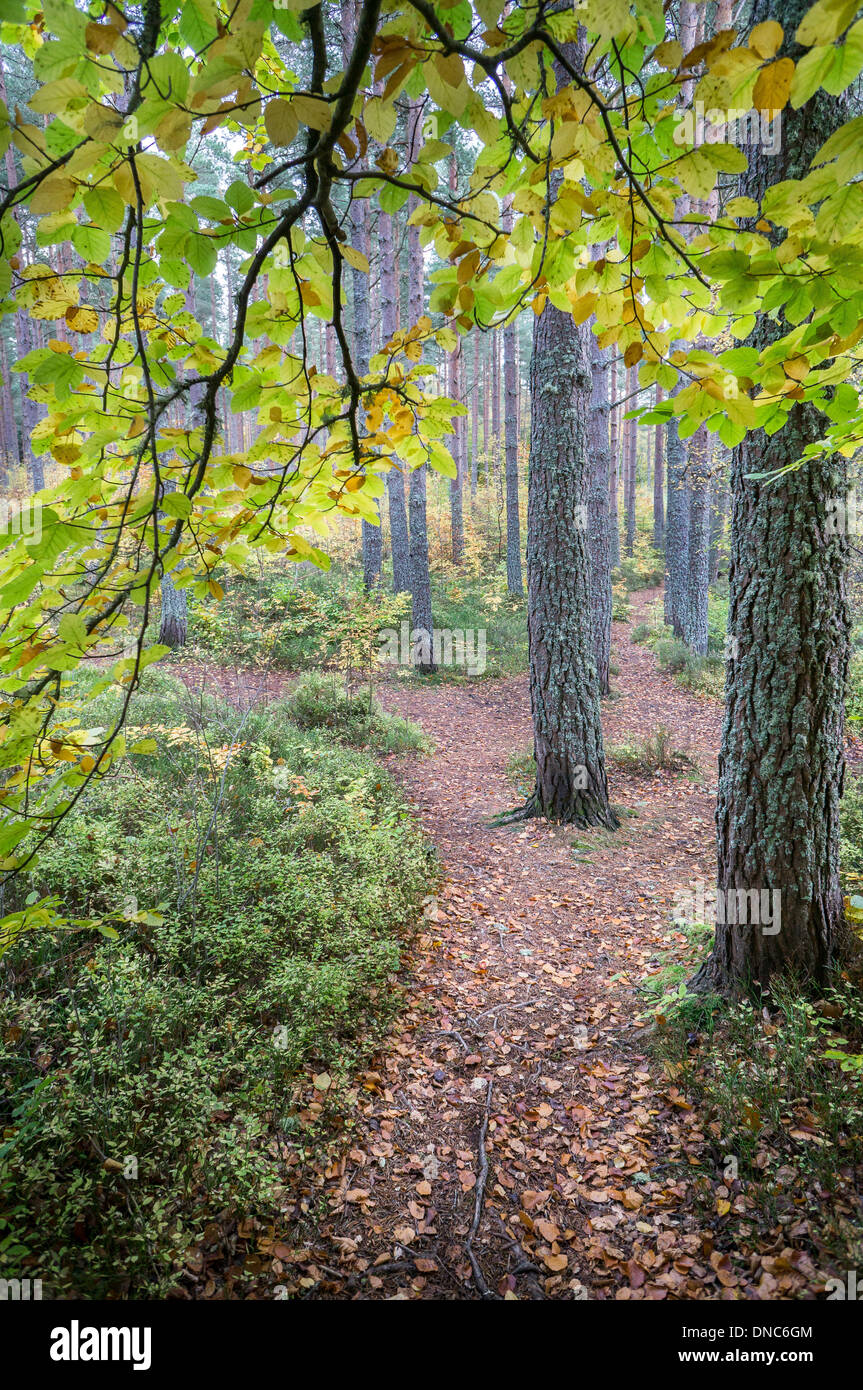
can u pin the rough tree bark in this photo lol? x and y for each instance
(398, 516)
(598, 516)
(513, 522)
(630, 451)
(359, 236)
(614, 468)
(781, 765)
(698, 542)
(421, 605)
(658, 484)
(571, 783)
(676, 529)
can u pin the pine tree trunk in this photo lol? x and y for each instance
(718, 513)
(630, 450)
(614, 469)
(658, 485)
(456, 487)
(510, 385)
(395, 479)
(598, 518)
(474, 467)
(173, 619)
(698, 545)
(676, 529)
(781, 764)
(571, 783)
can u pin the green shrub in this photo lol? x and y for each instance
(645, 568)
(264, 881)
(322, 702)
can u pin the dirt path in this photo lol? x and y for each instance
(522, 1047)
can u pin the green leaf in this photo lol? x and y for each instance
(105, 207)
(91, 243)
(176, 504)
(201, 253)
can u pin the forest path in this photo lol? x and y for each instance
(523, 1045)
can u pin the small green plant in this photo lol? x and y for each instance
(654, 753)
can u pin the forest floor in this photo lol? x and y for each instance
(515, 1137)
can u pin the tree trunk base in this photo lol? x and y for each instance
(583, 812)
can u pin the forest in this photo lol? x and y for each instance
(431, 653)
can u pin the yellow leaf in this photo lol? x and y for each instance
(766, 38)
(52, 195)
(355, 258)
(312, 111)
(773, 86)
(282, 121)
(668, 55)
(82, 319)
(379, 119)
(825, 21)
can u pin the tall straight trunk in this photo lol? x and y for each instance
(421, 604)
(571, 783)
(598, 516)
(456, 487)
(495, 394)
(395, 479)
(658, 484)
(630, 452)
(474, 407)
(676, 529)
(782, 762)
(510, 384)
(358, 235)
(486, 402)
(614, 468)
(698, 546)
(718, 513)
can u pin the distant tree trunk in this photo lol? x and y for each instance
(510, 382)
(358, 235)
(658, 484)
(718, 512)
(630, 456)
(614, 468)
(676, 529)
(421, 605)
(782, 759)
(174, 614)
(495, 394)
(698, 545)
(598, 518)
(474, 466)
(456, 487)
(486, 402)
(395, 480)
